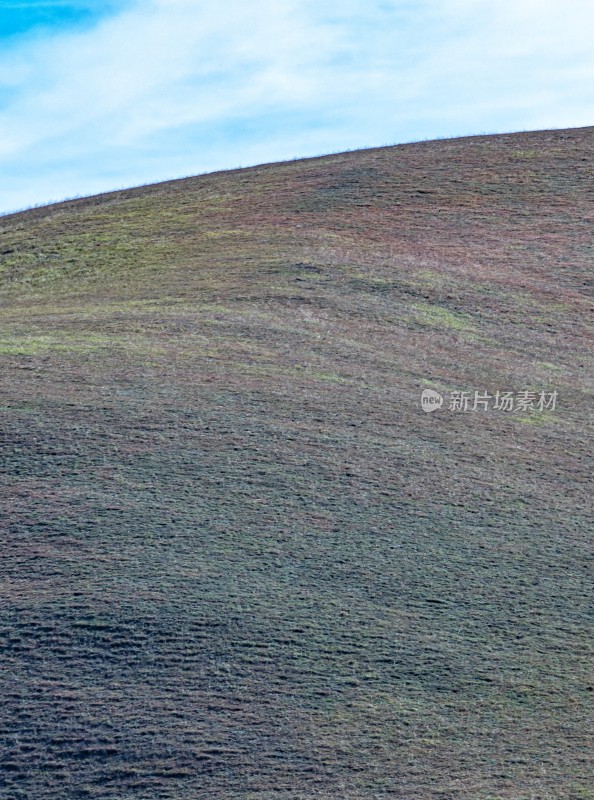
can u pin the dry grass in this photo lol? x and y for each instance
(238, 560)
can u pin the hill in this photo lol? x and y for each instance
(239, 560)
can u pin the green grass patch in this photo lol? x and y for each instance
(34, 345)
(436, 316)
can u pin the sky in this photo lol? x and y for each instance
(98, 95)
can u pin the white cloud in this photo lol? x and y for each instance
(170, 87)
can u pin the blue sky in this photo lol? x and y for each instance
(103, 94)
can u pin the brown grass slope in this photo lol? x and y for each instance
(238, 560)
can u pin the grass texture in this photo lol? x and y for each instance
(238, 560)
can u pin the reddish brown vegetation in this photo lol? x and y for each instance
(238, 559)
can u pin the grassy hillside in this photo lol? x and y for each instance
(238, 559)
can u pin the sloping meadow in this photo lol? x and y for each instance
(239, 558)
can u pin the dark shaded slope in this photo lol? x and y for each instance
(238, 559)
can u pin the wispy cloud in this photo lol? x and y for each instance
(172, 87)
